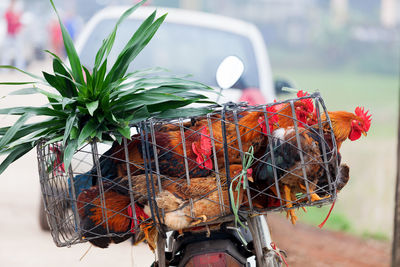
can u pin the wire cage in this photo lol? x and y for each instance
(235, 162)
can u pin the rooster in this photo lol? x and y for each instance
(118, 211)
(345, 125)
(288, 165)
(175, 200)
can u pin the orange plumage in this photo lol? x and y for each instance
(93, 224)
(115, 209)
(347, 125)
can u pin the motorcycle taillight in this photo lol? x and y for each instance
(219, 259)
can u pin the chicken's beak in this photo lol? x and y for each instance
(309, 117)
(364, 133)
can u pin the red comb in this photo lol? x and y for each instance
(274, 117)
(308, 101)
(300, 93)
(364, 116)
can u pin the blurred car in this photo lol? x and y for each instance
(188, 42)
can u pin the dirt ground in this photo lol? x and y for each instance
(313, 247)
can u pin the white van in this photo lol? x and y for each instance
(188, 42)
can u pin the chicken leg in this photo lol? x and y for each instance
(201, 219)
(288, 198)
(276, 194)
(313, 196)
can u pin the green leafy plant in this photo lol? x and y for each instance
(100, 104)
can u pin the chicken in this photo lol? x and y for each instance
(304, 110)
(289, 168)
(288, 162)
(180, 214)
(347, 125)
(116, 208)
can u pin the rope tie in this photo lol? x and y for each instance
(241, 184)
(277, 251)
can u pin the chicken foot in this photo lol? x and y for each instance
(313, 196)
(273, 189)
(200, 219)
(288, 198)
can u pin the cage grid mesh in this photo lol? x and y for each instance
(178, 173)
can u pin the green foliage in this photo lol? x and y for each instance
(337, 221)
(375, 235)
(101, 104)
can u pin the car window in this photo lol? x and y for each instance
(182, 49)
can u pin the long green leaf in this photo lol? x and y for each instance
(34, 127)
(105, 102)
(16, 83)
(15, 154)
(109, 41)
(98, 76)
(55, 97)
(67, 101)
(92, 106)
(152, 82)
(57, 57)
(56, 83)
(60, 70)
(144, 99)
(130, 47)
(82, 87)
(169, 105)
(70, 49)
(89, 82)
(146, 72)
(68, 126)
(140, 33)
(14, 129)
(25, 91)
(89, 128)
(140, 115)
(69, 152)
(43, 111)
(126, 132)
(24, 72)
(183, 113)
